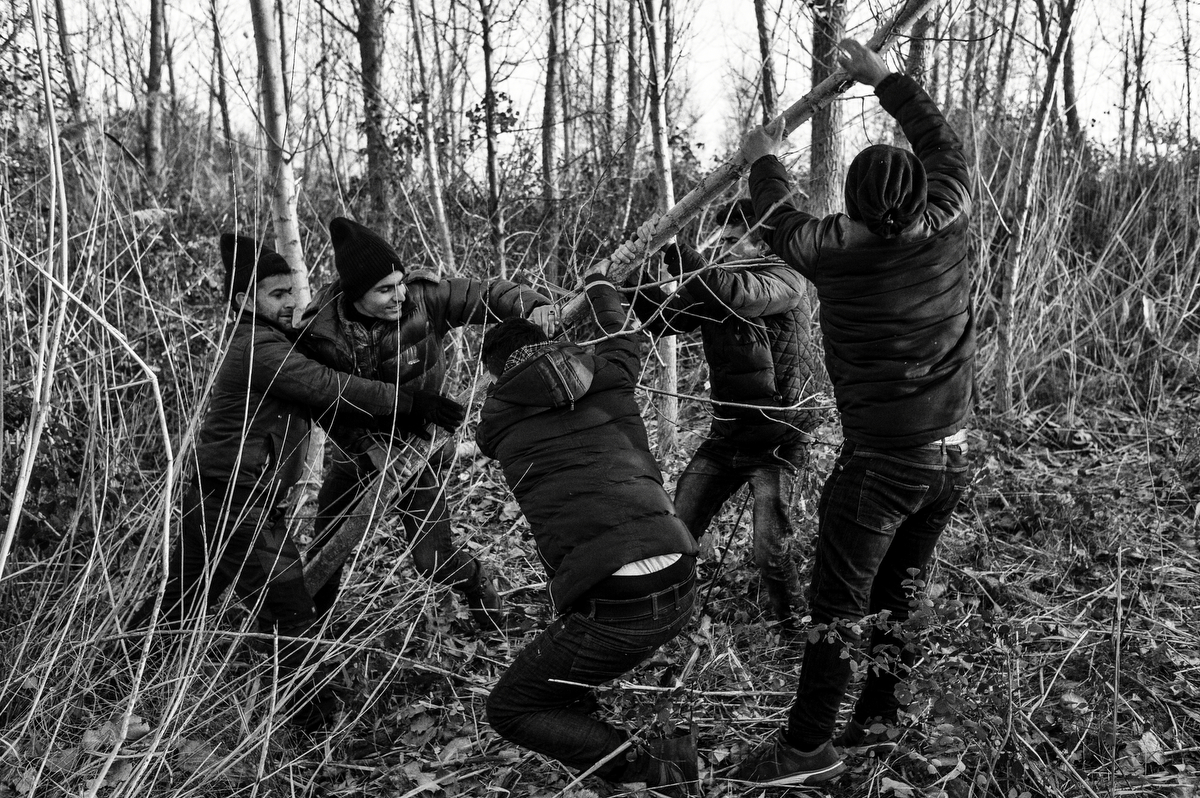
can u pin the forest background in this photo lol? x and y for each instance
(527, 138)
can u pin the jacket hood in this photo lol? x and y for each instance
(555, 378)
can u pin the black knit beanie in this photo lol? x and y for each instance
(361, 257)
(241, 269)
(885, 189)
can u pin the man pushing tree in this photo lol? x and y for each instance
(893, 282)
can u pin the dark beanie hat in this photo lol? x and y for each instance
(241, 268)
(361, 257)
(885, 189)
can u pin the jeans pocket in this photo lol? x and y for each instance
(885, 501)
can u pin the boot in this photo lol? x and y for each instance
(483, 601)
(669, 765)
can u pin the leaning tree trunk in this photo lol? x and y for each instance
(495, 216)
(825, 156)
(153, 134)
(274, 114)
(433, 174)
(768, 66)
(370, 35)
(1011, 279)
(668, 402)
(68, 62)
(725, 176)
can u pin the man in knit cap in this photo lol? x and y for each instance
(893, 282)
(380, 320)
(567, 429)
(250, 451)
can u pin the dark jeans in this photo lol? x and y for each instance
(880, 516)
(237, 537)
(718, 468)
(541, 701)
(423, 513)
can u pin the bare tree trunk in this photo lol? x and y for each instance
(1010, 280)
(432, 169)
(223, 106)
(495, 218)
(285, 70)
(971, 45)
(610, 80)
(565, 94)
(768, 67)
(633, 105)
(550, 189)
(829, 24)
(275, 127)
(68, 62)
(668, 402)
(370, 36)
(998, 103)
(1070, 106)
(153, 139)
(915, 63)
(1139, 82)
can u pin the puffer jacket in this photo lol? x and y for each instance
(896, 316)
(255, 433)
(408, 353)
(570, 438)
(754, 326)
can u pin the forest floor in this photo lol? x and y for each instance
(1060, 624)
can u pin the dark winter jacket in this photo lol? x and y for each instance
(408, 353)
(754, 325)
(569, 434)
(255, 433)
(899, 332)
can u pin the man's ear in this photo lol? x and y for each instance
(240, 299)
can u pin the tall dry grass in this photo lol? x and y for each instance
(1106, 310)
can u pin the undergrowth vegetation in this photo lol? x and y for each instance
(1060, 620)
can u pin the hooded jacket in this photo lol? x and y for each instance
(408, 353)
(754, 326)
(896, 316)
(255, 432)
(569, 435)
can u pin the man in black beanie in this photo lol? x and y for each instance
(382, 321)
(892, 277)
(249, 453)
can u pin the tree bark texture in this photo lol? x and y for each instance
(825, 156)
(370, 36)
(433, 173)
(550, 190)
(275, 127)
(153, 135)
(768, 66)
(495, 216)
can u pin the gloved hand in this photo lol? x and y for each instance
(681, 260)
(430, 407)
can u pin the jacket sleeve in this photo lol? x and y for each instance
(622, 349)
(279, 368)
(791, 233)
(935, 143)
(667, 314)
(466, 300)
(747, 293)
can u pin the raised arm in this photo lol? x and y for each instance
(621, 349)
(466, 300)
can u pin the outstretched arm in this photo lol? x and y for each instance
(622, 348)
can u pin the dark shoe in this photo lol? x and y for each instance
(874, 737)
(483, 601)
(668, 765)
(780, 764)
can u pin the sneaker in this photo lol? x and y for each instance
(780, 764)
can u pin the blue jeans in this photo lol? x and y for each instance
(880, 516)
(718, 469)
(542, 701)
